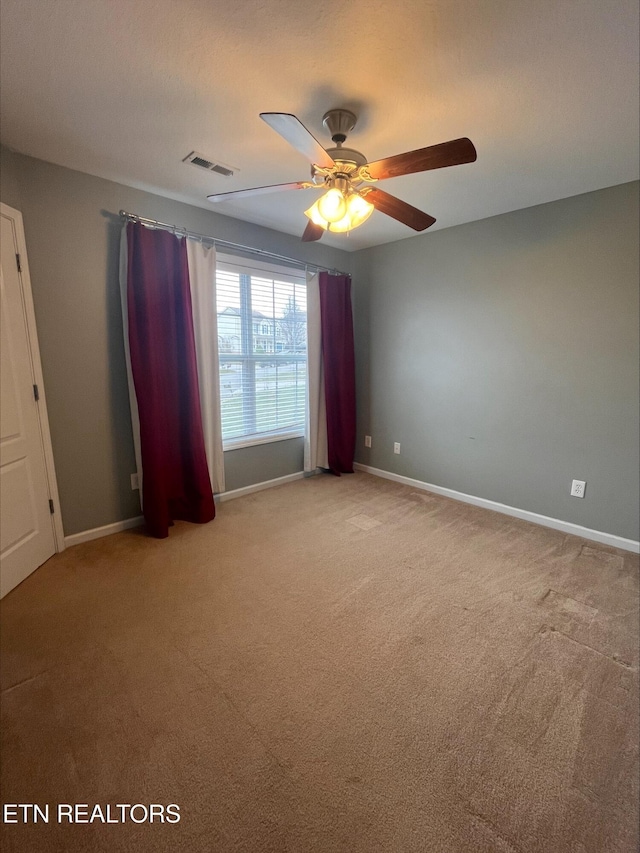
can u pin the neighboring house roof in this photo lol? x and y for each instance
(257, 315)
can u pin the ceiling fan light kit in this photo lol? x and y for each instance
(346, 176)
(356, 211)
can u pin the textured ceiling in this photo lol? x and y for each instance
(546, 89)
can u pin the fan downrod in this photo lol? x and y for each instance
(340, 123)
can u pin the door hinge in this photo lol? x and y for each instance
(51, 509)
(36, 393)
(18, 264)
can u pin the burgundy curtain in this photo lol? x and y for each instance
(338, 360)
(175, 481)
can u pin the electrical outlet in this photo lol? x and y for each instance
(396, 447)
(367, 441)
(135, 484)
(578, 488)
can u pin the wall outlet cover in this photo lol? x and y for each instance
(367, 441)
(396, 447)
(578, 488)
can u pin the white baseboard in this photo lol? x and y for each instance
(119, 526)
(526, 515)
(258, 487)
(534, 517)
(105, 530)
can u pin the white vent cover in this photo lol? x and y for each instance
(210, 165)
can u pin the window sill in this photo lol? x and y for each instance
(251, 441)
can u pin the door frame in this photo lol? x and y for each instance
(36, 371)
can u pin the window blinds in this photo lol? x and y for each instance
(262, 342)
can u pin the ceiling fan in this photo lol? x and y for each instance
(347, 177)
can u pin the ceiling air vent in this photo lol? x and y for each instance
(211, 166)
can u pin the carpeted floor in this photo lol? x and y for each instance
(333, 665)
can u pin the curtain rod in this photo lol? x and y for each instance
(225, 243)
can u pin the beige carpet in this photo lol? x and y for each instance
(333, 665)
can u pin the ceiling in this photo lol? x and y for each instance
(546, 89)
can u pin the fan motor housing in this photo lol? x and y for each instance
(348, 157)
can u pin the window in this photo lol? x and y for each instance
(262, 330)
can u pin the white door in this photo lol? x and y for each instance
(27, 536)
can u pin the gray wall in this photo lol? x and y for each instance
(9, 189)
(503, 355)
(249, 465)
(73, 231)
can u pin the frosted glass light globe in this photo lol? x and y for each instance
(314, 215)
(332, 206)
(358, 211)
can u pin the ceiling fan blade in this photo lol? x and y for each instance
(274, 188)
(397, 209)
(451, 153)
(296, 134)
(312, 232)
